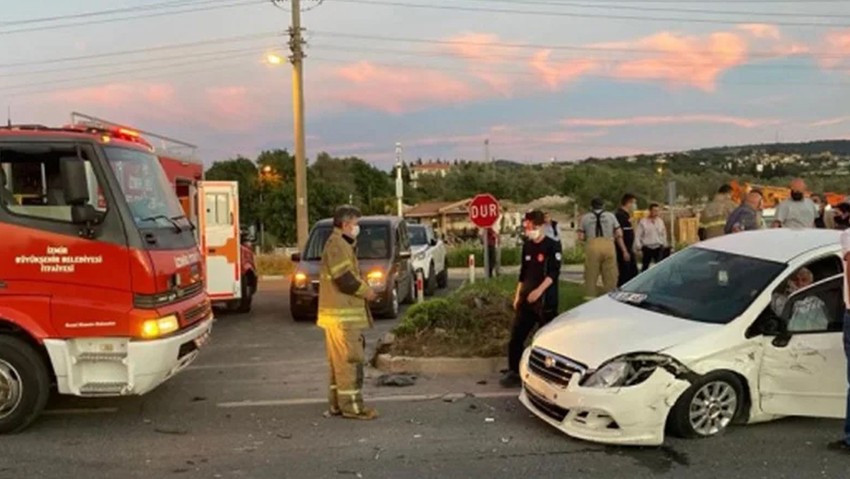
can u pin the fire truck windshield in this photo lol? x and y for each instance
(145, 187)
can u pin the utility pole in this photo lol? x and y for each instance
(399, 181)
(295, 44)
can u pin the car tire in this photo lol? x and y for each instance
(24, 374)
(443, 277)
(708, 407)
(393, 304)
(431, 281)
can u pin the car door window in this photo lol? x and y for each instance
(813, 272)
(816, 309)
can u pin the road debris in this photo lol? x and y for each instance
(397, 380)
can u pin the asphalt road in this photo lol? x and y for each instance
(251, 406)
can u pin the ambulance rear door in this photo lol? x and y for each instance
(218, 208)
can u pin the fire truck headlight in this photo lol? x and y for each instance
(154, 328)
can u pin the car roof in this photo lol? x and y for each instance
(365, 220)
(774, 244)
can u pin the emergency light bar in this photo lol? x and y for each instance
(164, 144)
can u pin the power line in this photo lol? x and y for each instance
(643, 8)
(530, 74)
(586, 15)
(448, 55)
(238, 38)
(432, 41)
(154, 6)
(130, 62)
(118, 73)
(133, 17)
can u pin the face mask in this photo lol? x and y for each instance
(796, 195)
(355, 231)
(534, 234)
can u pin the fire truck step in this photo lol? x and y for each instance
(91, 389)
(100, 357)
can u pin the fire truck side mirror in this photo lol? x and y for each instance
(74, 181)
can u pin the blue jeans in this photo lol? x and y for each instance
(847, 357)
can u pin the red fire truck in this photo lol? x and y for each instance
(102, 282)
(231, 273)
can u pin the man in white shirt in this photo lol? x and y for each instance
(797, 211)
(651, 237)
(844, 444)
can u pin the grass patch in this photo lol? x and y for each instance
(473, 321)
(273, 265)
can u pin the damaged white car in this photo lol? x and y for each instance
(742, 328)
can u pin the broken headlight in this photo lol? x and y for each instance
(630, 370)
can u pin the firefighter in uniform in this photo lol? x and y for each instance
(344, 314)
(713, 218)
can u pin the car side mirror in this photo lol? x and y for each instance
(295, 257)
(75, 183)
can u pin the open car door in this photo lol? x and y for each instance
(803, 369)
(218, 205)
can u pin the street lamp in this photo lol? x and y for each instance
(274, 59)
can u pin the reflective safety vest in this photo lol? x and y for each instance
(713, 217)
(337, 309)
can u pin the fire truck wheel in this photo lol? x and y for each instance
(24, 384)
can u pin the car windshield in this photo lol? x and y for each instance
(373, 242)
(418, 236)
(150, 196)
(700, 285)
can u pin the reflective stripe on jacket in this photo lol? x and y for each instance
(713, 217)
(337, 309)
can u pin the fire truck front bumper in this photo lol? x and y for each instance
(121, 366)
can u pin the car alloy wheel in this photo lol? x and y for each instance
(713, 408)
(11, 389)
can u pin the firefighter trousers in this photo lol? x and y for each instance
(345, 357)
(600, 258)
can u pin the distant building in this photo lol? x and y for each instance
(417, 170)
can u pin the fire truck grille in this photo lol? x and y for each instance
(197, 313)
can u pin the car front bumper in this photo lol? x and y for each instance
(634, 415)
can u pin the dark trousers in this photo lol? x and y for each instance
(491, 257)
(847, 357)
(651, 255)
(627, 269)
(527, 317)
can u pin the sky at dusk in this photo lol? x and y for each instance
(539, 78)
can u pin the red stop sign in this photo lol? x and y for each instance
(484, 210)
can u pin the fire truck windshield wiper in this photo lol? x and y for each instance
(166, 218)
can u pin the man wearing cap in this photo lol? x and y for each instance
(602, 234)
(536, 297)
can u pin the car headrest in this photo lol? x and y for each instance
(2, 177)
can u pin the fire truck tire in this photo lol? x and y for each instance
(24, 384)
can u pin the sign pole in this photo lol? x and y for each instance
(486, 255)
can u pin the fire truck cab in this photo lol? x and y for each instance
(211, 206)
(102, 282)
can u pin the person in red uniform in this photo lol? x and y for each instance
(536, 298)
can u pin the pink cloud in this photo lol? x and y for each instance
(664, 120)
(830, 121)
(116, 95)
(554, 74)
(836, 50)
(398, 90)
(761, 30)
(485, 53)
(681, 59)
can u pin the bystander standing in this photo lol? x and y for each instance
(626, 269)
(602, 235)
(797, 211)
(746, 217)
(651, 237)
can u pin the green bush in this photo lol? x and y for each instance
(473, 321)
(458, 256)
